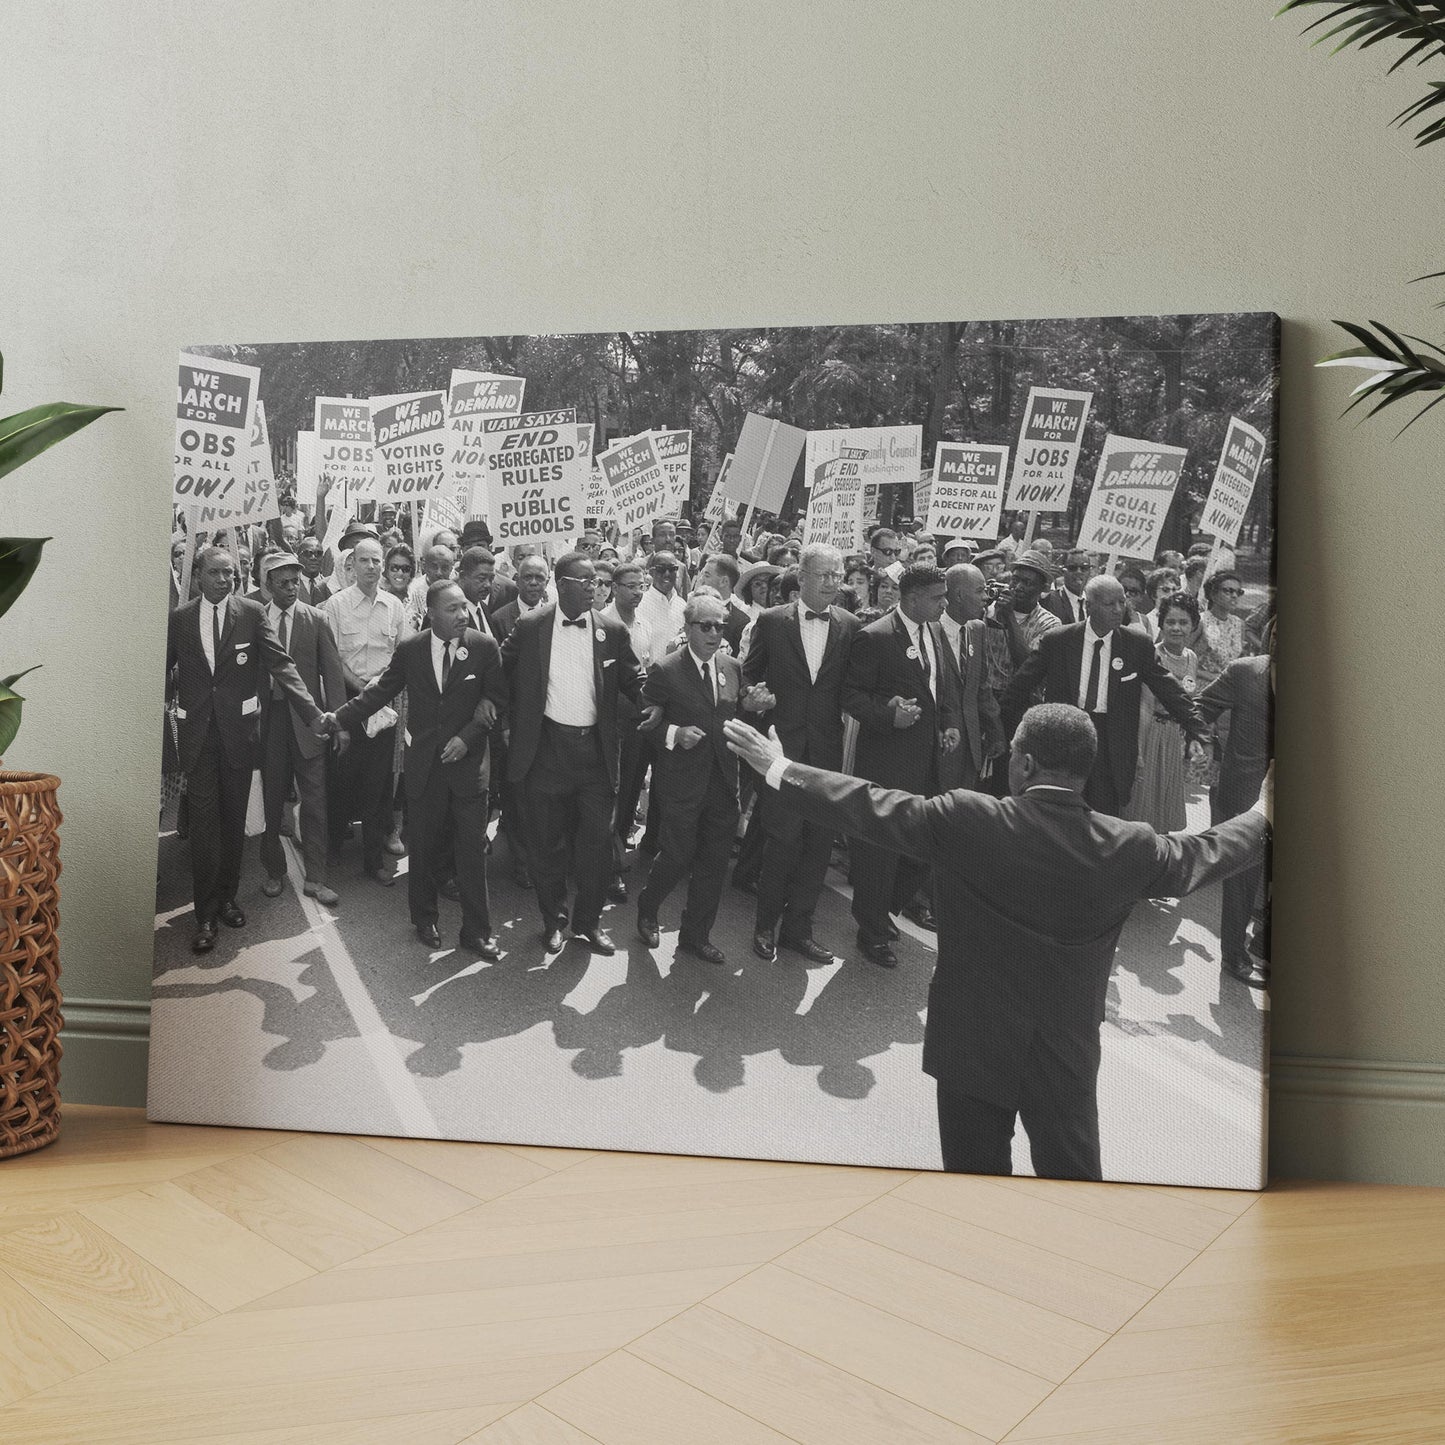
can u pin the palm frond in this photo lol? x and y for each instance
(1397, 370)
(1417, 24)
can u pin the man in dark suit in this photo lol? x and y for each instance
(901, 690)
(1040, 889)
(1244, 690)
(721, 573)
(696, 777)
(314, 588)
(290, 750)
(1066, 601)
(566, 666)
(528, 596)
(1101, 665)
(794, 671)
(222, 648)
(963, 631)
(455, 692)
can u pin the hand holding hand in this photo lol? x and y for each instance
(757, 751)
(758, 699)
(325, 726)
(486, 713)
(949, 739)
(454, 751)
(906, 712)
(651, 718)
(689, 737)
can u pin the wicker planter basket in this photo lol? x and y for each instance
(29, 962)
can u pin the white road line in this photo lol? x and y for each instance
(398, 1082)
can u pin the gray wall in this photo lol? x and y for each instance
(266, 171)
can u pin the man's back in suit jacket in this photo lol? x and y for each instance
(1039, 888)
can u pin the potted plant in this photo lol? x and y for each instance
(29, 845)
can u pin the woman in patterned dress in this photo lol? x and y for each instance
(1161, 785)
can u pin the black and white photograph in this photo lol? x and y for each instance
(842, 743)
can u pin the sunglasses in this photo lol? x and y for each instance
(1232, 591)
(889, 551)
(707, 626)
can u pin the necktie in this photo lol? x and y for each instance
(816, 616)
(446, 663)
(479, 621)
(574, 622)
(923, 658)
(215, 637)
(707, 682)
(283, 633)
(1092, 700)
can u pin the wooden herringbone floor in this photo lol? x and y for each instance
(164, 1283)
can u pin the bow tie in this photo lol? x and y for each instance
(816, 616)
(574, 622)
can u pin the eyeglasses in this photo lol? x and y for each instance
(580, 581)
(1076, 567)
(1231, 591)
(708, 626)
(889, 551)
(827, 576)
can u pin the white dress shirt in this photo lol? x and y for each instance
(638, 632)
(1086, 664)
(953, 633)
(709, 670)
(662, 614)
(571, 688)
(920, 637)
(815, 638)
(211, 629)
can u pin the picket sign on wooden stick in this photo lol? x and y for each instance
(758, 482)
(1029, 530)
(188, 560)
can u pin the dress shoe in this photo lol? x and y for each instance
(327, 897)
(617, 891)
(921, 914)
(450, 890)
(395, 847)
(765, 944)
(880, 953)
(1247, 969)
(597, 939)
(428, 934)
(745, 882)
(701, 948)
(382, 875)
(272, 888)
(554, 939)
(810, 948)
(205, 939)
(647, 930)
(231, 915)
(483, 947)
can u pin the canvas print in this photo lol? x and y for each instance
(836, 743)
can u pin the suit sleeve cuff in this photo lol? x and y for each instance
(774, 776)
(671, 736)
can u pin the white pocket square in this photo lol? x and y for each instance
(608, 661)
(1129, 677)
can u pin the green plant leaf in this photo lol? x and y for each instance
(28, 433)
(16, 676)
(19, 557)
(10, 703)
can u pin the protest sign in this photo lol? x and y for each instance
(836, 501)
(891, 454)
(1050, 436)
(409, 439)
(966, 498)
(535, 476)
(215, 413)
(599, 497)
(674, 451)
(922, 490)
(636, 480)
(763, 463)
(718, 502)
(262, 500)
(442, 514)
(1133, 487)
(473, 397)
(344, 448)
(1240, 460)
